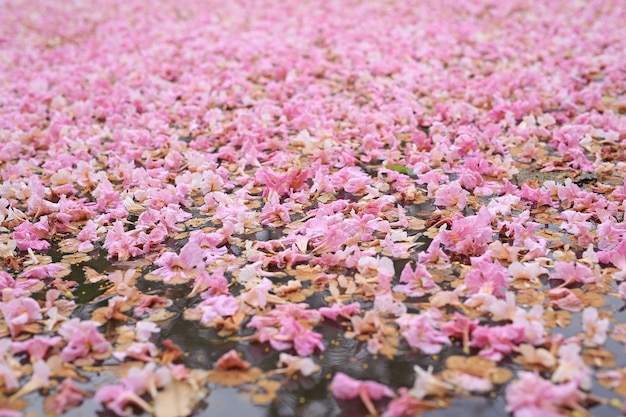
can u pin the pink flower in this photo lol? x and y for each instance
(487, 274)
(19, 313)
(347, 388)
(305, 342)
(36, 347)
(387, 304)
(451, 195)
(208, 243)
(532, 324)
(565, 299)
(20, 288)
(383, 267)
(120, 243)
(418, 281)
(572, 367)
(283, 328)
(68, 396)
(231, 360)
(143, 351)
(83, 339)
(145, 329)
(215, 283)
(502, 309)
(495, 342)
(469, 235)
(527, 272)
(148, 378)
(87, 236)
(571, 272)
(173, 265)
(257, 296)
(43, 271)
(31, 236)
(460, 327)
(294, 364)
(406, 405)
(336, 310)
(5, 412)
(223, 305)
(532, 395)
(120, 399)
(420, 332)
(471, 383)
(594, 328)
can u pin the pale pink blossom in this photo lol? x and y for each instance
(20, 288)
(83, 338)
(68, 396)
(451, 195)
(43, 271)
(572, 272)
(487, 273)
(420, 331)
(498, 341)
(347, 388)
(36, 347)
(469, 235)
(120, 399)
(406, 405)
(19, 313)
(333, 312)
(595, 328)
(173, 265)
(294, 364)
(221, 305)
(417, 282)
(533, 395)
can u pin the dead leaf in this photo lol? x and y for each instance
(529, 297)
(160, 315)
(92, 276)
(598, 358)
(266, 391)
(592, 299)
(15, 404)
(235, 377)
(479, 367)
(532, 356)
(177, 399)
(76, 258)
(561, 318)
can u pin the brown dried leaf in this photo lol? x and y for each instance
(270, 388)
(416, 224)
(15, 404)
(61, 369)
(559, 318)
(160, 315)
(177, 399)
(592, 299)
(473, 365)
(599, 358)
(529, 297)
(479, 367)
(532, 356)
(92, 276)
(76, 258)
(235, 377)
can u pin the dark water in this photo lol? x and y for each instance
(304, 396)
